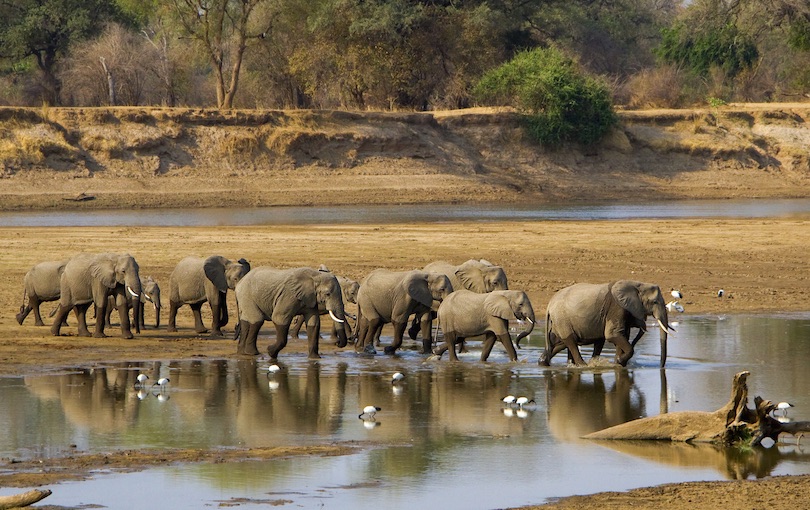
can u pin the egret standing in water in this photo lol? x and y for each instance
(522, 401)
(397, 377)
(369, 412)
(141, 380)
(162, 382)
(509, 400)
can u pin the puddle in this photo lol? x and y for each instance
(455, 444)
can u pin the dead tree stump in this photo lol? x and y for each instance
(23, 499)
(733, 424)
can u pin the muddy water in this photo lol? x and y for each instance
(454, 443)
(408, 213)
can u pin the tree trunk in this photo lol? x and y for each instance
(734, 423)
(23, 499)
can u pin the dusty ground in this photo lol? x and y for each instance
(761, 263)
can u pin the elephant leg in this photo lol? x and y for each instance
(597, 348)
(413, 331)
(81, 319)
(426, 326)
(638, 337)
(450, 339)
(223, 309)
(573, 350)
(624, 351)
(25, 310)
(123, 316)
(282, 330)
(373, 331)
(399, 333)
(295, 326)
(489, 343)
(196, 309)
(216, 316)
(61, 314)
(313, 336)
(248, 336)
(171, 326)
(506, 340)
(101, 312)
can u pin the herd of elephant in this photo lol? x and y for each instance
(469, 300)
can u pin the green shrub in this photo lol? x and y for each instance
(560, 101)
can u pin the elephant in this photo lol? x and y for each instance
(476, 275)
(464, 314)
(150, 292)
(196, 280)
(40, 284)
(590, 314)
(90, 278)
(279, 295)
(348, 288)
(393, 296)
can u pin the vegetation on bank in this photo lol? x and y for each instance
(391, 54)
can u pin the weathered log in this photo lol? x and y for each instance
(23, 499)
(734, 423)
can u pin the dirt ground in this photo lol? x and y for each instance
(762, 264)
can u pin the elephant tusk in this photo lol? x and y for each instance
(131, 291)
(530, 321)
(148, 298)
(663, 328)
(352, 317)
(334, 317)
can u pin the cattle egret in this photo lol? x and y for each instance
(141, 379)
(369, 412)
(397, 377)
(522, 401)
(676, 294)
(720, 293)
(674, 306)
(509, 400)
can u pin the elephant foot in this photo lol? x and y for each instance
(216, 334)
(314, 355)
(389, 349)
(97, 335)
(21, 318)
(369, 349)
(128, 336)
(200, 331)
(40, 323)
(171, 329)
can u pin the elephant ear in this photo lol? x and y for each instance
(103, 270)
(626, 293)
(498, 305)
(303, 288)
(469, 274)
(214, 268)
(419, 290)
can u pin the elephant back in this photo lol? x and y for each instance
(579, 309)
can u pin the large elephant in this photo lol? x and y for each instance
(591, 314)
(196, 280)
(348, 289)
(279, 295)
(479, 276)
(465, 314)
(393, 296)
(41, 284)
(150, 293)
(91, 278)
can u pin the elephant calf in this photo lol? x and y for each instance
(195, 280)
(150, 292)
(466, 314)
(41, 284)
(393, 296)
(348, 289)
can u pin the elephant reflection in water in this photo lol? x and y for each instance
(580, 403)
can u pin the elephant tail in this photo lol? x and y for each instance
(548, 333)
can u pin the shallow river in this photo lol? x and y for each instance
(456, 444)
(408, 213)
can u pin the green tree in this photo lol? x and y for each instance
(562, 102)
(44, 29)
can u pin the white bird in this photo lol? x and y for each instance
(784, 406)
(720, 293)
(522, 401)
(676, 294)
(674, 305)
(141, 379)
(272, 369)
(509, 400)
(369, 411)
(397, 377)
(162, 382)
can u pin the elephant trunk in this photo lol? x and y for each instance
(337, 313)
(660, 314)
(526, 332)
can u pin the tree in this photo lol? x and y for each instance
(44, 29)
(223, 28)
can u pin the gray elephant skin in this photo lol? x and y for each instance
(393, 296)
(196, 280)
(476, 275)
(91, 279)
(279, 295)
(348, 289)
(593, 313)
(465, 314)
(150, 293)
(40, 284)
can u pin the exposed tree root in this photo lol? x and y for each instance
(23, 499)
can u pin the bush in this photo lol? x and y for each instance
(560, 101)
(655, 88)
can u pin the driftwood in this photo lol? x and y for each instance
(81, 197)
(23, 499)
(734, 423)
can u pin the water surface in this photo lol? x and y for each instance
(455, 445)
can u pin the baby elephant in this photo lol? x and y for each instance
(465, 314)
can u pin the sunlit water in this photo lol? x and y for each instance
(455, 446)
(408, 213)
